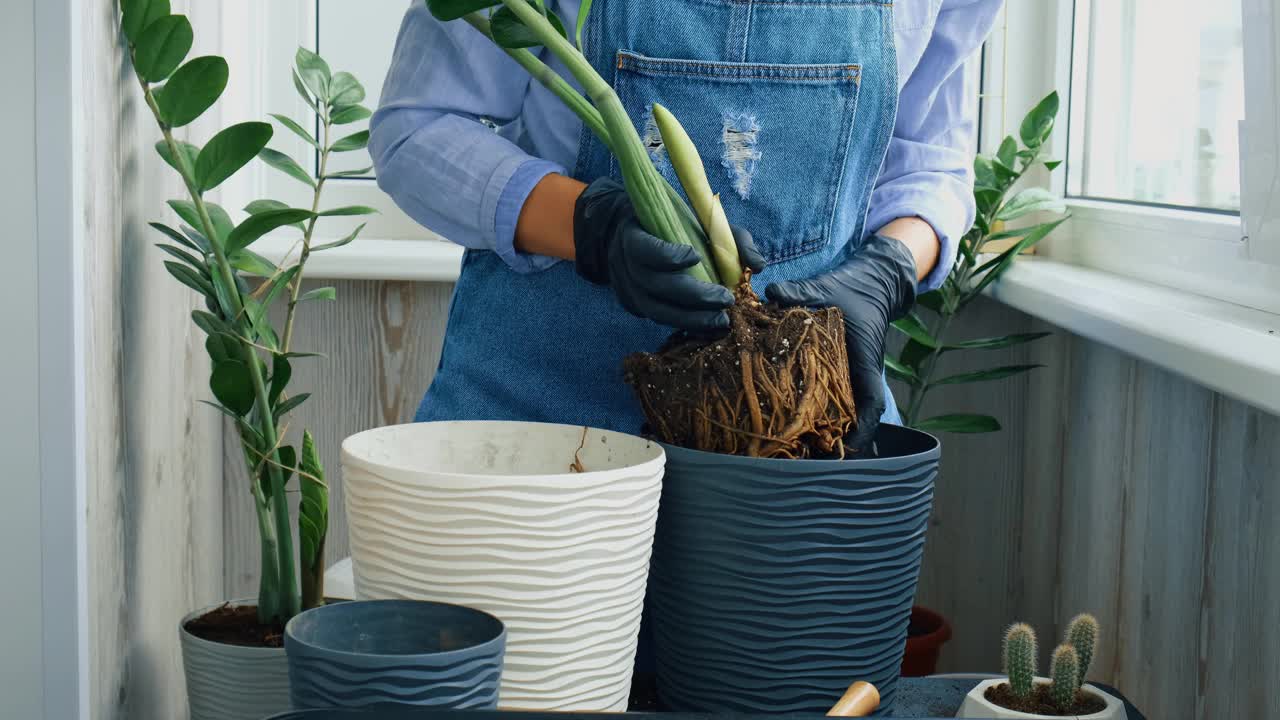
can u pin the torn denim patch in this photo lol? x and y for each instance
(741, 156)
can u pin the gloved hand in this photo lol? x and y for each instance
(646, 272)
(873, 288)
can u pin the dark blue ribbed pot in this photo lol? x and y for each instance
(777, 583)
(394, 652)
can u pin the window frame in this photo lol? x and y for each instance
(1205, 252)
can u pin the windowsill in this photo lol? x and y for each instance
(374, 259)
(1229, 348)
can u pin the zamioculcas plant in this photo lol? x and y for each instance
(778, 386)
(212, 253)
(928, 340)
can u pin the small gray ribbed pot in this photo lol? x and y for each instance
(232, 682)
(395, 652)
(777, 583)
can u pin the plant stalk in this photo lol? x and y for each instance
(295, 291)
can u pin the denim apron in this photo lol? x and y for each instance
(791, 103)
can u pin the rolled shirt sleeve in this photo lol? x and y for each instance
(928, 170)
(435, 140)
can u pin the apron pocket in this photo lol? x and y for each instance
(773, 138)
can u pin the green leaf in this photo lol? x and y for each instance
(313, 506)
(931, 300)
(161, 47)
(251, 262)
(339, 243)
(509, 32)
(258, 207)
(281, 372)
(348, 210)
(960, 424)
(255, 226)
(200, 247)
(446, 10)
(1038, 123)
(192, 89)
(232, 386)
(351, 173)
(995, 343)
(256, 312)
(287, 457)
(344, 89)
(277, 285)
(287, 165)
(222, 346)
(186, 151)
(984, 172)
(190, 278)
(228, 151)
(196, 263)
(219, 408)
(584, 9)
(985, 375)
(1052, 164)
(322, 293)
(219, 217)
(354, 141)
(986, 199)
(1028, 201)
(914, 329)
(1008, 152)
(210, 323)
(290, 404)
(303, 91)
(224, 294)
(914, 354)
(314, 71)
(347, 115)
(139, 15)
(996, 266)
(898, 371)
(297, 129)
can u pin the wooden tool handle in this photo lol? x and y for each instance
(860, 700)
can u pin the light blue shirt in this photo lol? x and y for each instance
(462, 134)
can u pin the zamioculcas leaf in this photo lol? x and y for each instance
(354, 172)
(914, 329)
(303, 91)
(1029, 201)
(314, 71)
(278, 284)
(348, 210)
(313, 520)
(255, 226)
(222, 346)
(195, 262)
(984, 172)
(296, 129)
(1007, 153)
(139, 15)
(210, 323)
(1038, 123)
(232, 386)
(286, 165)
(985, 375)
(509, 32)
(251, 262)
(179, 237)
(191, 278)
(584, 9)
(913, 355)
(294, 401)
(260, 206)
(996, 266)
(931, 300)
(287, 457)
(354, 141)
(281, 372)
(344, 89)
(321, 293)
(192, 89)
(445, 10)
(187, 211)
(186, 151)
(350, 114)
(1052, 165)
(997, 342)
(900, 372)
(161, 47)
(961, 423)
(228, 151)
(339, 243)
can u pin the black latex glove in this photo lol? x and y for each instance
(873, 288)
(646, 272)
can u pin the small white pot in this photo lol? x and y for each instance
(490, 515)
(976, 705)
(232, 682)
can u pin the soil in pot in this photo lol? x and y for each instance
(236, 625)
(776, 386)
(1040, 703)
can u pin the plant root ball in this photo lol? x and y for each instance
(777, 386)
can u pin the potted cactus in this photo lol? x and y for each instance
(1062, 694)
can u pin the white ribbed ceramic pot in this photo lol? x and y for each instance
(493, 515)
(232, 682)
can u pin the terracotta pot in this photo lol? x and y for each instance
(921, 656)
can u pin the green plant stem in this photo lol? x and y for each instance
(285, 603)
(295, 291)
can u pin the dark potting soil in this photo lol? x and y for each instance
(776, 385)
(236, 625)
(1040, 704)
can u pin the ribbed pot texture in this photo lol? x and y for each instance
(491, 515)
(777, 583)
(232, 682)
(401, 652)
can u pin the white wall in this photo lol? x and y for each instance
(20, 607)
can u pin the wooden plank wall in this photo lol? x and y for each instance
(1115, 488)
(154, 466)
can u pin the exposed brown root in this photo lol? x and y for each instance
(776, 386)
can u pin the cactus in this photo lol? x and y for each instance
(1082, 633)
(1064, 669)
(1020, 658)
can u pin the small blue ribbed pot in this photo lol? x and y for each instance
(394, 652)
(777, 583)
